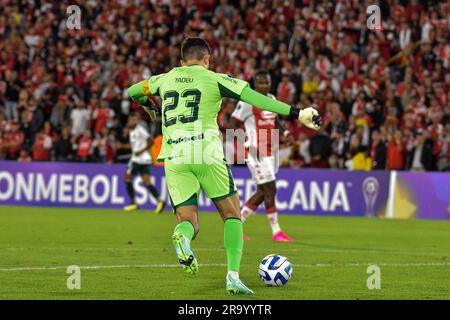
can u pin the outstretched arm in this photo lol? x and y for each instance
(308, 116)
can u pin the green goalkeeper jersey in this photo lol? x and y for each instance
(191, 100)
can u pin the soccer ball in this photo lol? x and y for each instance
(275, 270)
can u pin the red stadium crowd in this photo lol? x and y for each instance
(383, 93)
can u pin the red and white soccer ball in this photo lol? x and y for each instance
(275, 270)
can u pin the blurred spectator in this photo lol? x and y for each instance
(25, 127)
(396, 152)
(378, 151)
(310, 83)
(320, 149)
(13, 141)
(42, 147)
(224, 10)
(360, 161)
(11, 95)
(63, 146)
(37, 119)
(104, 144)
(420, 158)
(340, 145)
(102, 117)
(294, 159)
(123, 148)
(286, 90)
(80, 118)
(60, 112)
(303, 149)
(24, 156)
(443, 162)
(404, 35)
(84, 147)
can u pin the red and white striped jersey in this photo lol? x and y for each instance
(259, 127)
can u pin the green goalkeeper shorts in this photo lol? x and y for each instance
(185, 180)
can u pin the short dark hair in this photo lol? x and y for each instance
(194, 48)
(262, 73)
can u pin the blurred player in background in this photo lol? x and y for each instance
(192, 148)
(262, 154)
(140, 164)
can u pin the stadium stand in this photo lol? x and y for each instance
(384, 94)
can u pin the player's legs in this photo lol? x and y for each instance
(262, 172)
(217, 182)
(253, 203)
(258, 197)
(153, 191)
(234, 244)
(185, 231)
(270, 190)
(183, 190)
(229, 211)
(189, 213)
(129, 174)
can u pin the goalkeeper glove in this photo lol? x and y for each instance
(310, 118)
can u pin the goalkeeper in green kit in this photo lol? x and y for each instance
(192, 148)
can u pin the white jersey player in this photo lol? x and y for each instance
(140, 164)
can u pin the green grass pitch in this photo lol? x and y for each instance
(130, 256)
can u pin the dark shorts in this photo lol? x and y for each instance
(138, 169)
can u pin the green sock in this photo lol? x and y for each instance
(185, 228)
(234, 243)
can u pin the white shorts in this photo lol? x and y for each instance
(263, 169)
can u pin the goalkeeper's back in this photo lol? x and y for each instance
(191, 98)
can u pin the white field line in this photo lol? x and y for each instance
(307, 248)
(318, 265)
